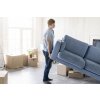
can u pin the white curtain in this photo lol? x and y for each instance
(1, 42)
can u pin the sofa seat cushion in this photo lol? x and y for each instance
(92, 67)
(72, 58)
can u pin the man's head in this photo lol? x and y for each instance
(51, 23)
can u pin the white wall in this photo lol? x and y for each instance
(37, 32)
(77, 27)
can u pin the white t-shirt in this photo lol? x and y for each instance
(49, 35)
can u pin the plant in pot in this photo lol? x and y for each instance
(30, 53)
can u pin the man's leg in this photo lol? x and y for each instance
(47, 69)
(47, 66)
(46, 55)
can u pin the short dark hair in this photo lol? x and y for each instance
(51, 21)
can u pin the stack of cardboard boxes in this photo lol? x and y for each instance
(19, 61)
(66, 71)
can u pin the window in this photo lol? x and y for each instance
(26, 39)
(14, 41)
(19, 35)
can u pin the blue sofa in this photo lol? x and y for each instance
(78, 55)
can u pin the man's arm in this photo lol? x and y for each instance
(49, 43)
(49, 46)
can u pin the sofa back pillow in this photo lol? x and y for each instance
(75, 46)
(93, 54)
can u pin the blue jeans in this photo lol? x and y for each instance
(48, 64)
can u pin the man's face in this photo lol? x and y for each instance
(53, 25)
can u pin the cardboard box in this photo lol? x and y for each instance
(35, 54)
(14, 61)
(75, 74)
(25, 60)
(62, 70)
(32, 62)
(3, 77)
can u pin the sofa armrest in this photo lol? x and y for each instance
(56, 50)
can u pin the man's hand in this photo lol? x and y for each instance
(49, 55)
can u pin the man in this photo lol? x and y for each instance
(48, 41)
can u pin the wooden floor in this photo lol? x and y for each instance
(34, 75)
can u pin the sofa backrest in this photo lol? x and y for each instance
(93, 54)
(75, 46)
